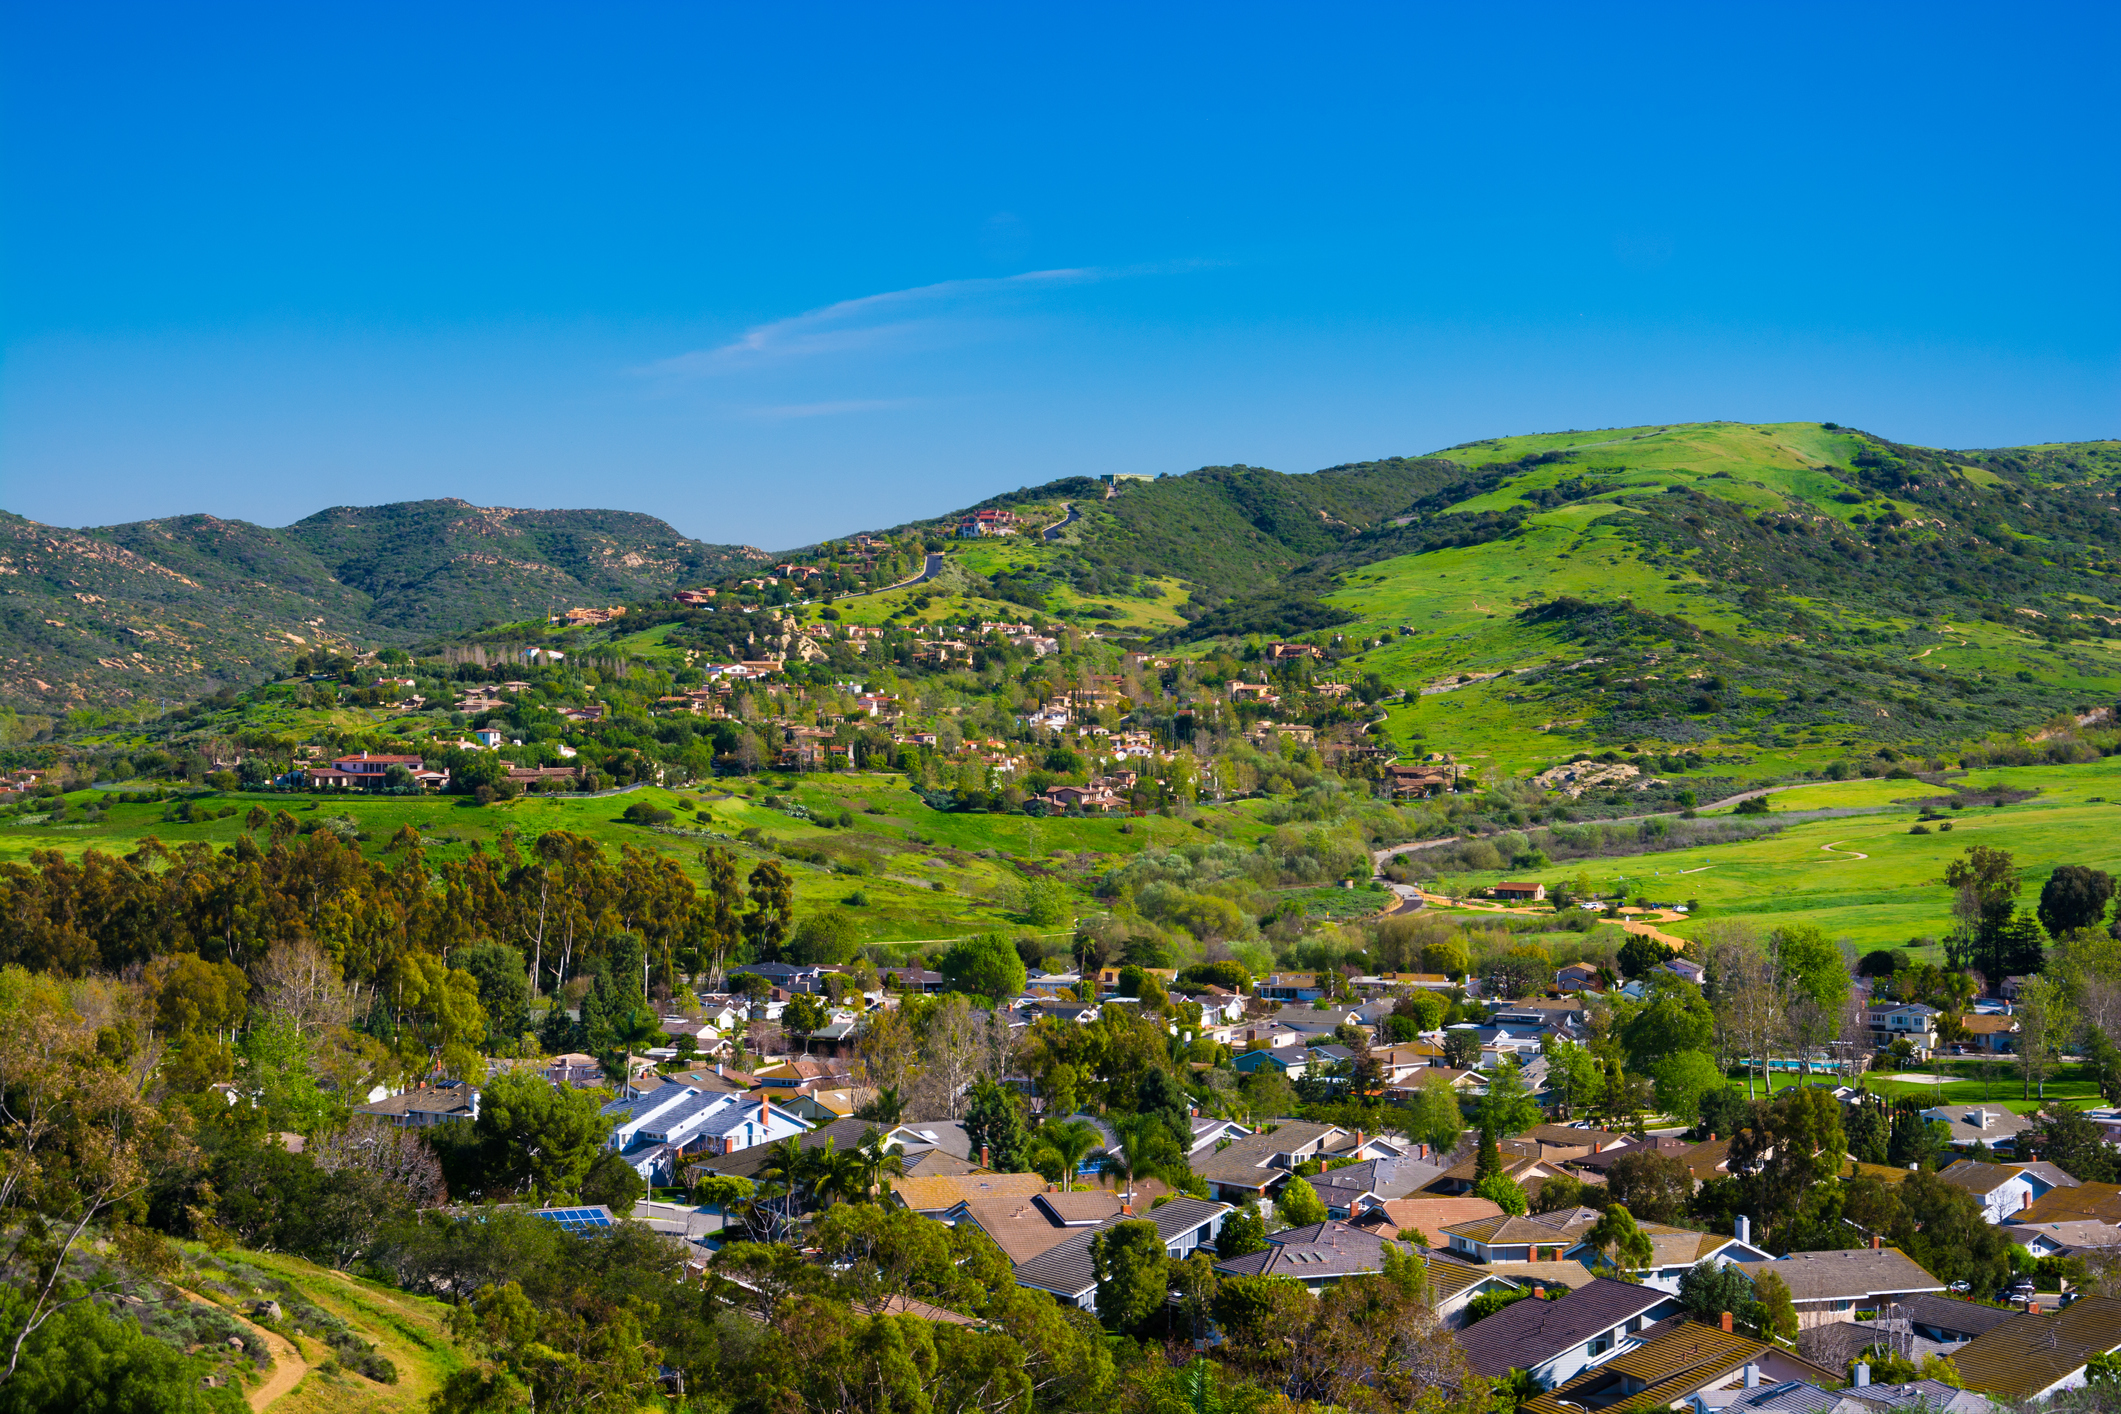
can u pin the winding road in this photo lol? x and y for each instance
(1053, 531)
(929, 571)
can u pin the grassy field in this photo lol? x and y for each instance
(1864, 877)
(894, 853)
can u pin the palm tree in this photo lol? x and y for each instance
(1069, 1139)
(787, 1167)
(875, 1162)
(1144, 1150)
(837, 1174)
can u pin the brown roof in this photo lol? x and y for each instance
(2027, 1354)
(2101, 1202)
(1427, 1213)
(1244, 1160)
(1978, 1178)
(1987, 1024)
(1023, 1227)
(1563, 1135)
(1542, 1229)
(1832, 1276)
(940, 1192)
(1677, 1358)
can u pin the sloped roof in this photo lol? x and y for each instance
(1949, 1313)
(1447, 1278)
(1428, 1215)
(1842, 1276)
(943, 1191)
(1529, 1333)
(1328, 1249)
(1066, 1269)
(2101, 1202)
(1978, 1178)
(1244, 1161)
(1789, 1397)
(1024, 1227)
(1677, 1358)
(746, 1163)
(1564, 1226)
(2028, 1353)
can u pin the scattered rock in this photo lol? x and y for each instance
(267, 1311)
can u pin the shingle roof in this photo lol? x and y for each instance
(2085, 1234)
(1789, 1397)
(1529, 1333)
(1024, 1227)
(1429, 1215)
(1831, 1276)
(1969, 1122)
(1447, 1278)
(1835, 1343)
(2027, 1354)
(944, 1191)
(1328, 1249)
(1978, 1178)
(1066, 1269)
(1244, 1161)
(2101, 1202)
(1564, 1226)
(1677, 1358)
(1949, 1313)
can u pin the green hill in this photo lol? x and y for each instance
(167, 609)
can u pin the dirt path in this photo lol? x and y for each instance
(288, 1366)
(1838, 852)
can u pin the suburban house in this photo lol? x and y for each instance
(1425, 1213)
(1027, 1227)
(366, 772)
(418, 1108)
(1674, 1250)
(1291, 987)
(1519, 893)
(944, 1196)
(1353, 1190)
(1576, 977)
(1980, 1124)
(656, 1130)
(1557, 1340)
(1292, 1062)
(1255, 1166)
(1832, 1286)
(1670, 1363)
(2005, 1190)
(2030, 1357)
(1911, 1021)
(1535, 1237)
(575, 1070)
(1685, 971)
(1066, 1271)
(1454, 1285)
(2083, 1238)
(2098, 1202)
(1318, 1255)
(1990, 1031)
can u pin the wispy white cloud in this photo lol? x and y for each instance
(833, 409)
(892, 318)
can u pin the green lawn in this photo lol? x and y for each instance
(1894, 893)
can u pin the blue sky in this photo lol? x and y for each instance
(775, 273)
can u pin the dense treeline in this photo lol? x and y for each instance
(557, 899)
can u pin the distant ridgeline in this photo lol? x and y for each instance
(1809, 572)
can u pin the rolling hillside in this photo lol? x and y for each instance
(168, 609)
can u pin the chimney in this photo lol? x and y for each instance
(1539, 1293)
(1742, 1229)
(1725, 1322)
(1358, 1141)
(1862, 1373)
(1752, 1377)
(984, 1161)
(2032, 1308)
(1875, 1242)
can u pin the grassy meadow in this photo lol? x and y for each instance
(1865, 877)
